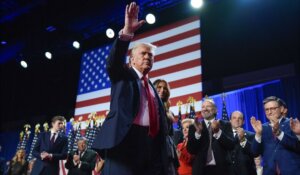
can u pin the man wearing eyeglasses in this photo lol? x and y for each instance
(275, 140)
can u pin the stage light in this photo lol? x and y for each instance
(48, 55)
(110, 33)
(24, 64)
(76, 44)
(3, 42)
(150, 18)
(196, 3)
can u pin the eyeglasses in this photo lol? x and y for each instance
(271, 109)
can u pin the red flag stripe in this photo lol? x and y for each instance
(178, 37)
(175, 68)
(197, 96)
(93, 101)
(186, 81)
(177, 52)
(166, 28)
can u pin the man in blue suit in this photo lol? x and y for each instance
(51, 147)
(133, 135)
(275, 141)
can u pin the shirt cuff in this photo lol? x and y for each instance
(258, 138)
(280, 135)
(197, 136)
(218, 134)
(243, 143)
(125, 37)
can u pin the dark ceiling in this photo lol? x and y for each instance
(237, 36)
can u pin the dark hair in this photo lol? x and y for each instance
(279, 101)
(156, 83)
(58, 117)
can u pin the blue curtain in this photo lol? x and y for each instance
(249, 100)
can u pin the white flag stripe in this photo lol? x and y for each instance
(92, 108)
(168, 33)
(184, 90)
(179, 74)
(95, 94)
(176, 60)
(177, 45)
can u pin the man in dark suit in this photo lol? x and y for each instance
(51, 147)
(295, 127)
(275, 141)
(242, 159)
(210, 140)
(81, 161)
(133, 135)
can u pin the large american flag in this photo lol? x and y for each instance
(177, 60)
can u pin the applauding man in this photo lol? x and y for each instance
(275, 141)
(210, 140)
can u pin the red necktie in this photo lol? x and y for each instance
(153, 129)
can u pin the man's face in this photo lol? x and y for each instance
(236, 120)
(57, 125)
(142, 59)
(208, 110)
(273, 110)
(81, 145)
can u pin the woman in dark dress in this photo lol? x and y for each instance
(18, 165)
(163, 90)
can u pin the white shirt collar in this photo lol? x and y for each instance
(206, 121)
(140, 75)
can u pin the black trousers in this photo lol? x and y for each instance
(137, 154)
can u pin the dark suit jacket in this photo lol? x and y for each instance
(283, 153)
(221, 147)
(59, 150)
(124, 104)
(242, 159)
(88, 161)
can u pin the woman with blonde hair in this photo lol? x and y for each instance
(18, 165)
(163, 89)
(185, 158)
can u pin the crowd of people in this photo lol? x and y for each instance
(136, 137)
